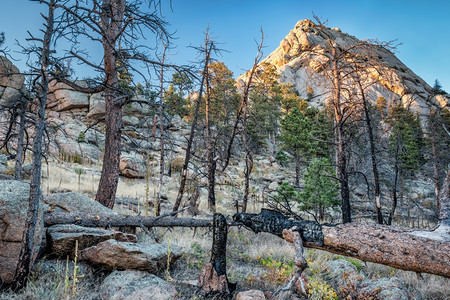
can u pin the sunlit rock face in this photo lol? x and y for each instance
(302, 57)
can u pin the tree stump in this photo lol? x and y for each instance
(213, 276)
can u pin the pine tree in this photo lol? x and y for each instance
(321, 190)
(405, 144)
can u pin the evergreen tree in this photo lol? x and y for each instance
(264, 109)
(176, 104)
(305, 134)
(407, 135)
(405, 144)
(437, 88)
(321, 190)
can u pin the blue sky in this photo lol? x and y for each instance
(423, 27)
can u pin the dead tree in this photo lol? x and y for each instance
(373, 158)
(402, 248)
(40, 88)
(244, 101)
(213, 276)
(207, 49)
(161, 135)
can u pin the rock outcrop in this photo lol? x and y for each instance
(14, 197)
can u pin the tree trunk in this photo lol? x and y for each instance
(402, 248)
(376, 181)
(339, 120)
(20, 137)
(435, 169)
(297, 171)
(343, 177)
(111, 20)
(116, 220)
(396, 174)
(26, 252)
(210, 153)
(213, 276)
(161, 137)
(248, 171)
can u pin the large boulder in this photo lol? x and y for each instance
(61, 238)
(62, 97)
(131, 165)
(10, 97)
(342, 275)
(136, 285)
(97, 107)
(384, 288)
(75, 203)
(14, 196)
(251, 295)
(112, 255)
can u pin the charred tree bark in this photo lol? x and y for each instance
(26, 252)
(161, 136)
(435, 169)
(210, 151)
(339, 121)
(402, 248)
(213, 276)
(248, 163)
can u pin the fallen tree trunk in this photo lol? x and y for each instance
(110, 220)
(402, 248)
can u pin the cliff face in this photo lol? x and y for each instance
(302, 55)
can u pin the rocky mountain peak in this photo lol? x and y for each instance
(301, 56)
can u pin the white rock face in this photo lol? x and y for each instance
(299, 60)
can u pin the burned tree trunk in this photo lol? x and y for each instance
(20, 137)
(213, 276)
(402, 248)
